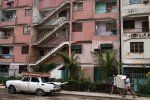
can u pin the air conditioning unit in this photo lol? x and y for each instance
(131, 11)
(148, 35)
(134, 35)
(140, 36)
(145, 1)
(145, 35)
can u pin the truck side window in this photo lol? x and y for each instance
(34, 79)
(26, 79)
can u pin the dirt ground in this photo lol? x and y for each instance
(4, 95)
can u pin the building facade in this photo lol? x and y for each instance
(135, 38)
(82, 25)
(79, 26)
(15, 35)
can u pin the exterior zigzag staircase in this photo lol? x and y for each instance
(49, 53)
(56, 24)
(41, 20)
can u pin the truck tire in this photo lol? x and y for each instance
(12, 89)
(40, 92)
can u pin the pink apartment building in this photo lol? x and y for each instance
(15, 35)
(39, 29)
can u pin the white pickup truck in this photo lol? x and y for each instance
(34, 84)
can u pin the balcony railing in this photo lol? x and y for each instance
(137, 30)
(6, 56)
(105, 33)
(127, 12)
(101, 11)
(5, 37)
(135, 35)
(46, 35)
(8, 20)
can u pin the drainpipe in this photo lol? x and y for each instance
(120, 31)
(70, 30)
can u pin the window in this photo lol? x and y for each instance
(22, 68)
(110, 26)
(135, 2)
(9, 16)
(77, 27)
(105, 7)
(44, 79)
(136, 47)
(78, 6)
(77, 49)
(34, 79)
(4, 68)
(28, 12)
(8, 33)
(5, 50)
(25, 49)
(26, 30)
(129, 24)
(26, 79)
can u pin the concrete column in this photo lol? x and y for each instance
(149, 21)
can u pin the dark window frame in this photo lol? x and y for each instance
(26, 30)
(78, 6)
(129, 24)
(28, 12)
(77, 27)
(4, 68)
(136, 47)
(5, 50)
(25, 49)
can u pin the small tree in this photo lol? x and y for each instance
(72, 65)
(107, 62)
(148, 76)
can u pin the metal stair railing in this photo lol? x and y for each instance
(61, 23)
(57, 40)
(49, 53)
(40, 20)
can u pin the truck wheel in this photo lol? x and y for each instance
(12, 89)
(40, 92)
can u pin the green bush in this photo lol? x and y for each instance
(75, 85)
(4, 79)
(87, 86)
(143, 88)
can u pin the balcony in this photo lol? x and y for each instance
(7, 23)
(9, 4)
(105, 28)
(6, 40)
(127, 12)
(7, 58)
(7, 35)
(138, 35)
(22, 3)
(105, 7)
